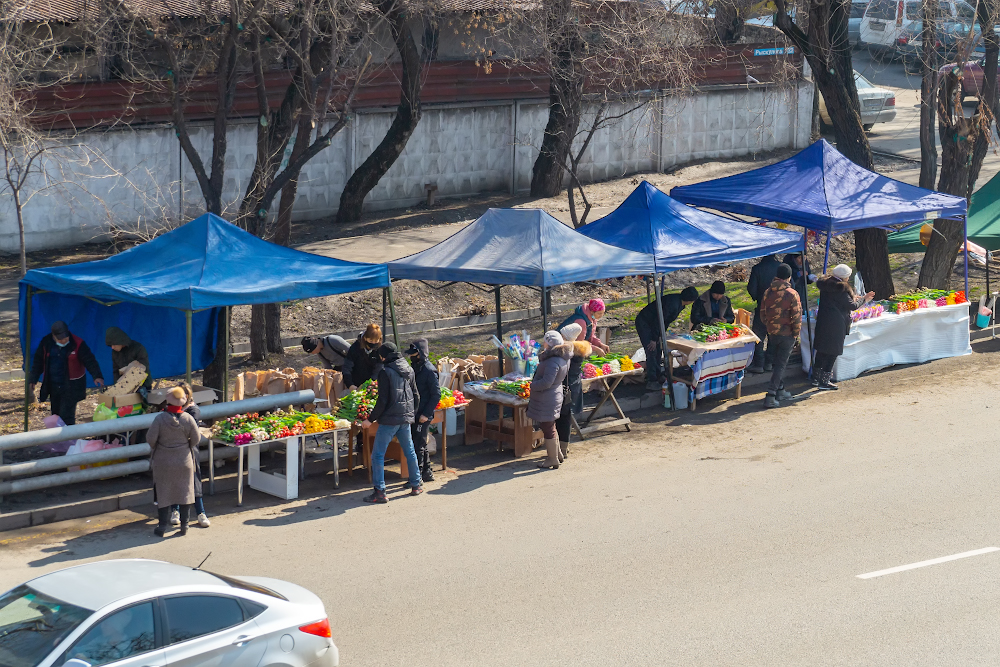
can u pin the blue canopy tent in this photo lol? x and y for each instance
(682, 237)
(508, 246)
(820, 189)
(179, 280)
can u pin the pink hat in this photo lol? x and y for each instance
(595, 305)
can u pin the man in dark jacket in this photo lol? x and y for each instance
(63, 360)
(712, 307)
(361, 361)
(426, 376)
(801, 275)
(124, 351)
(760, 280)
(782, 314)
(394, 412)
(648, 328)
(332, 350)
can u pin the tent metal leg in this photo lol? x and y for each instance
(649, 296)
(496, 298)
(225, 369)
(545, 322)
(965, 248)
(28, 394)
(826, 257)
(668, 361)
(805, 306)
(384, 291)
(392, 313)
(187, 347)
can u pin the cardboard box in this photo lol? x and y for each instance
(120, 400)
(201, 395)
(743, 317)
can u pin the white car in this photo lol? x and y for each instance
(143, 613)
(886, 20)
(878, 105)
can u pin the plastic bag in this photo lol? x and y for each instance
(55, 421)
(103, 413)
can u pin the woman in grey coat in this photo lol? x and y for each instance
(546, 399)
(173, 441)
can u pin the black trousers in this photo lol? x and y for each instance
(654, 360)
(62, 403)
(419, 433)
(760, 357)
(825, 361)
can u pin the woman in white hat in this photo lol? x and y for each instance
(833, 321)
(173, 441)
(546, 399)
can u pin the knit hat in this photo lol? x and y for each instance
(571, 331)
(784, 272)
(842, 271)
(60, 330)
(689, 294)
(386, 350)
(553, 338)
(718, 287)
(595, 305)
(175, 396)
(309, 344)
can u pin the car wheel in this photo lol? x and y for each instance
(868, 127)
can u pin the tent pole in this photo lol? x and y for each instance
(965, 234)
(826, 257)
(496, 297)
(544, 323)
(225, 369)
(649, 297)
(805, 306)
(383, 309)
(667, 360)
(392, 313)
(28, 394)
(187, 353)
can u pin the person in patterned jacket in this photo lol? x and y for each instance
(782, 314)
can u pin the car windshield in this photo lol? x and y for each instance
(33, 624)
(916, 9)
(861, 82)
(858, 10)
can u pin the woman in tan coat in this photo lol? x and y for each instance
(173, 441)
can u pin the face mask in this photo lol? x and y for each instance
(62, 344)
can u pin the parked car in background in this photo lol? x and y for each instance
(886, 20)
(952, 37)
(972, 76)
(878, 105)
(854, 23)
(143, 613)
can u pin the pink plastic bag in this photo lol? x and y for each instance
(55, 421)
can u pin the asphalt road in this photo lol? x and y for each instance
(730, 537)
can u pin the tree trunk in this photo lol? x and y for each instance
(408, 114)
(258, 333)
(987, 18)
(928, 100)
(19, 211)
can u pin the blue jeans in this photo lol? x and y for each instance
(199, 506)
(382, 439)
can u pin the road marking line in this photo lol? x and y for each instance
(925, 563)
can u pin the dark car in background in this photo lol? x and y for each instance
(972, 76)
(952, 37)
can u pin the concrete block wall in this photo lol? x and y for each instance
(130, 175)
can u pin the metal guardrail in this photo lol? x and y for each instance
(9, 486)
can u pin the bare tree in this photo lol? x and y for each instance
(823, 41)
(930, 61)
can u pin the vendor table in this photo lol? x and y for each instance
(517, 432)
(716, 367)
(911, 338)
(607, 393)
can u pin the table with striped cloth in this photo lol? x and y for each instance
(715, 371)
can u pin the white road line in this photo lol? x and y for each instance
(925, 563)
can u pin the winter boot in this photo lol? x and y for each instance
(426, 474)
(783, 395)
(825, 382)
(814, 380)
(376, 498)
(185, 518)
(552, 450)
(770, 401)
(163, 513)
(564, 449)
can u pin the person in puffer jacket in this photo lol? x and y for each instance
(426, 376)
(781, 312)
(573, 386)
(546, 399)
(394, 413)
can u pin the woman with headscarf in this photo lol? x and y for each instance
(586, 316)
(192, 409)
(833, 321)
(546, 399)
(173, 442)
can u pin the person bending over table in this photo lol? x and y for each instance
(712, 307)
(648, 328)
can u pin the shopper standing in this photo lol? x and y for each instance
(192, 408)
(173, 442)
(782, 314)
(833, 321)
(62, 361)
(546, 399)
(429, 389)
(572, 387)
(394, 413)
(761, 276)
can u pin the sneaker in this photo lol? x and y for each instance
(652, 385)
(175, 518)
(815, 380)
(783, 395)
(770, 401)
(376, 498)
(827, 386)
(755, 369)
(203, 521)
(768, 367)
(416, 491)
(427, 475)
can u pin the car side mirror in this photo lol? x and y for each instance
(76, 662)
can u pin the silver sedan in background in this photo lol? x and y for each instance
(878, 105)
(143, 613)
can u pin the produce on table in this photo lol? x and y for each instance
(254, 427)
(606, 369)
(867, 312)
(450, 399)
(590, 371)
(627, 364)
(711, 333)
(615, 366)
(607, 358)
(927, 298)
(357, 405)
(519, 388)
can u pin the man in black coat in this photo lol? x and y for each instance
(761, 277)
(426, 376)
(648, 328)
(394, 412)
(712, 307)
(332, 350)
(63, 360)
